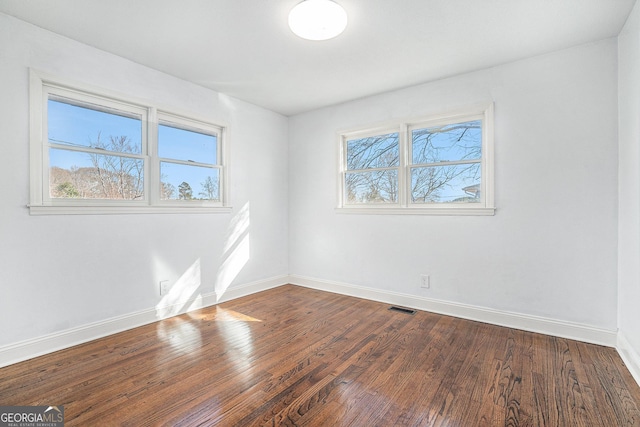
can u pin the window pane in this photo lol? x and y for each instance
(372, 187)
(187, 145)
(379, 151)
(184, 182)
(74, 174)
(446, 184)
(457, 141)
(107, 129)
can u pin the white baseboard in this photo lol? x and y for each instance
(629, 356)
(496, 317)
(29, 349)
(253, 287)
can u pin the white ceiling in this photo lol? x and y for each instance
(245, 49)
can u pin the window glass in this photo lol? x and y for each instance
(82, 137)
(378, 151)
(88, 126)
(188, 145)
(81, 175)
(446, 184)
(458, 143)
(186, 182)
(448, 143)
(379, 186)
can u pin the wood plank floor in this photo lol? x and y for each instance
(296, 356)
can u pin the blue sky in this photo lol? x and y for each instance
(77, 126)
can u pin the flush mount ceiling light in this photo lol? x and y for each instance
(317, 19)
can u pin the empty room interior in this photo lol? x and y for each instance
(213, 215)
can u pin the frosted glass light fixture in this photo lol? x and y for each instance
(317, 19)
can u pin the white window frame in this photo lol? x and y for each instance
(185, 123)
(43, 86)
(404, 205)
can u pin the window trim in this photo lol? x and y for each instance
(404, 127)
(42, 85)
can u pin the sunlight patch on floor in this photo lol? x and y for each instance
(238, 339)
(226, 315)
(182, 335)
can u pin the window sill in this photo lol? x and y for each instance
(125, 210)
(417, 211)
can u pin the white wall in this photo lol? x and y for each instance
(629, 176)
(549, 251)
(62, 272)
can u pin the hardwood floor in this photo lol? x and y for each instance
(296, 356)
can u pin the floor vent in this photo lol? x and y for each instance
(402, 310)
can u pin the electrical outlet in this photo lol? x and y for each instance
(164, 287)
(425, 281)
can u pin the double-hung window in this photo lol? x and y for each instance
(188, 158)
(372, 165)
(93, 152)
(440, 165)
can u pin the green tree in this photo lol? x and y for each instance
(185, 192)
(66, 189)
